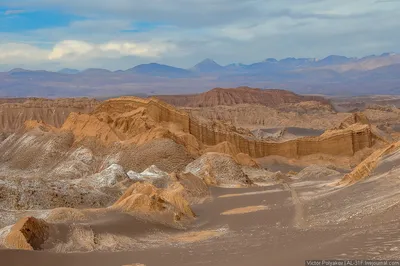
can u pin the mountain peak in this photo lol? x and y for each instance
(207, 65)
(208, 61)
(160, 70)
(334, 60)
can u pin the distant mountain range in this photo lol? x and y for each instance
(335, 74)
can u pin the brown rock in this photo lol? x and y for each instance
(195, 190)
(241, 95)
(145, 199)
(28, 233)
(355, 118)
(366, 167)
(218, 169)
(128, 118)
(14, 112)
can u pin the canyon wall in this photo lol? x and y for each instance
(14, 112)
(343, 142)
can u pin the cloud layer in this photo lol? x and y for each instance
(122, 33)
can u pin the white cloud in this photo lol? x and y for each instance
(70, 50)
(136, 49)
(78, 53)
(19, 52)
(75, 50)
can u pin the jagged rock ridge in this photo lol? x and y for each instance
(136, 120)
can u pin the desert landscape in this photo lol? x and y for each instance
(231, 176)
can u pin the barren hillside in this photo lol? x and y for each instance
(240, 95)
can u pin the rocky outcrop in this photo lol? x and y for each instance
(218, 169)
(241, 95)
(28, 233)
(15, 112)
(107, 178)
(366, 167)
(166, 154)
(39, 194)
(145, 199)
(194, 189)
(355, 118)
(137, 121)
(302, 115)
(152, 175)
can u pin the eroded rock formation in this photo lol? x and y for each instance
(14, 112)
(218, 170)
(366, 167)
(145, 199)
(241, 95)
(28, 233)
(135, 120)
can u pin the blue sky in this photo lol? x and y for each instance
(14, 20)
(118, 34)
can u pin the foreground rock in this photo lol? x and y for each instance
(366, 167)
(28, 233)
(145, 199)
(193, 188)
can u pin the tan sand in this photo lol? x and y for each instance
(244, 210)
(199, 236)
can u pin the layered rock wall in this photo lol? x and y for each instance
(337, 142)
(14, 112)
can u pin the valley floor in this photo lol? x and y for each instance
(280, 224)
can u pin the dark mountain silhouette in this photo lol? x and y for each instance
(68, 71)
(207, 66)
(333, 60)
(154, 69)
(95, 71)
(333, 75)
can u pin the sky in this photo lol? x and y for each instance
(119, 34)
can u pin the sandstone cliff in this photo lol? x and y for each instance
(241, 95)
(355, 118)
(14, 112)
(135, 120)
